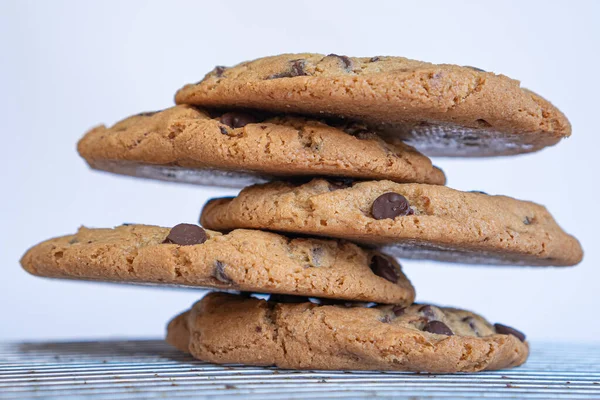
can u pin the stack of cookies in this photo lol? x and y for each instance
(333, 150)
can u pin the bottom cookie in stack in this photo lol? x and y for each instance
(295, 333)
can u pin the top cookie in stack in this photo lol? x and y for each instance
(442, 110)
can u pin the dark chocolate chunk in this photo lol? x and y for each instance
(219, 69)
(507, 330)
(236, 119)
(438, 327)
(296, 69)
(477, 191)
(287, 298)
(374, 59)
(224, 130)
(219, 273)
(398, 310)
(344, 59)
(186, 235)
(527, 221)
(390, 205)
(339, 183)
(427, 311)
(383, 267)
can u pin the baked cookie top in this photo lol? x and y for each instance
(407, 220)
(225, 328)
(441, 109)
(237, 148)
(242, 260)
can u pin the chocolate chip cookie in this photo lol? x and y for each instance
(237, 148)
(225, 328)
(442, 110)
(242, 260)
(406, 220)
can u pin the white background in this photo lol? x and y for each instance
(66, 66)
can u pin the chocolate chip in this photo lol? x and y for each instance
(474, 68)
(219, 69)
(527, 221)
(398, 310)
(146, 114)
(219, 273)
(383, 267)
(339, 183)
(427, 311)
(127, 224)
(507, 330)
(373, 59)
(438, 327)
(258, 329)
(186, 235)
(296, 69)
(236, 119)
(287, 298)
(477, 191)
(390, 205)
(344, 59)
(223, 130)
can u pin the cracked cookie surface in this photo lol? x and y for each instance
(238, 148)
(242, 260)
(442, 110)
(224, 328)
(406, 220)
